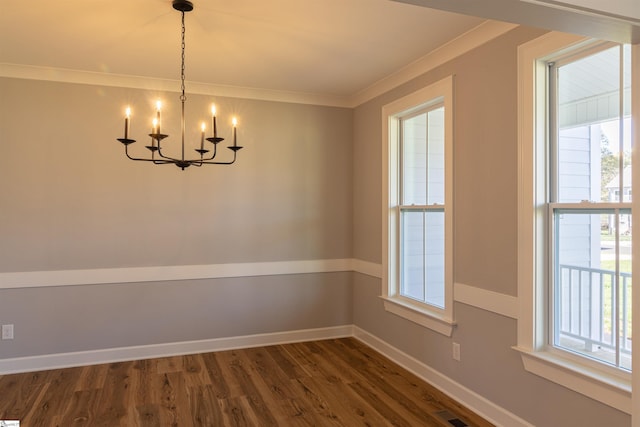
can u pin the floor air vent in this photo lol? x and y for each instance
(451, 419)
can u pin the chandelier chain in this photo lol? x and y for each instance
(183, 45)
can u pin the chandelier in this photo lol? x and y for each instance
(204, 156)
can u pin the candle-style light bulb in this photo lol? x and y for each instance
(127, 115)
(158, 108)
(235, 124)
(213, 121)
(203, 127)
(154, 131)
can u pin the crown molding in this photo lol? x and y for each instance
(473, 38)
(32, 72)
(466, 42)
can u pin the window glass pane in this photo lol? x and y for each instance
(592, 284)
(414, 160)
(435, 156)
(423, 158)
(593, 142)
(422, 239)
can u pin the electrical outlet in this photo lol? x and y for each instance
(456, 351)
(7, 332)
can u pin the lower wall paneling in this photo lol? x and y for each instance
(76, 319)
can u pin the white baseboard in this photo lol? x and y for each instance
(94, 357)
(472, 400)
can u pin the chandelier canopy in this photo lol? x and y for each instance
(204, 156)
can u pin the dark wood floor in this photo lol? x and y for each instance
(339, 382)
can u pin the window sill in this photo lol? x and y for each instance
(599, 385)
(420, 315)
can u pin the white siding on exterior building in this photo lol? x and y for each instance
(423, 184)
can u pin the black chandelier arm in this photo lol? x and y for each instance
(234, 149)
(142, 159)
(182, 163)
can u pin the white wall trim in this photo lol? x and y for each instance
(505, 305)
(368, 268)
(93, 357)
(635, 112)
(464, 43)
(34, 279)
(495, 302)
(472, 400)
(31, 279)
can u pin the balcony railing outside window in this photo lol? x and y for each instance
(587, 316)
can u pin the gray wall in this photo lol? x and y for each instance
(72, 201)
(485, 228)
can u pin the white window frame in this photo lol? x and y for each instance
(609, 386)
(429, 316)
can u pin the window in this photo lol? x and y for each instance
(590, 228)
(574, 227)
(417, 135)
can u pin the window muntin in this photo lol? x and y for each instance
(589, 243)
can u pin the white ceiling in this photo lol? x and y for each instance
(330, 48)
(337, 47)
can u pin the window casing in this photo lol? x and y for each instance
(574, 253)
(417, 163)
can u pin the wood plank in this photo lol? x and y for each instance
(216, 378)
(235, 369)
(195, 372)
(276, 389)
(205, 406)
(19, 396)
(113, 407)
(237, 412)
(82, 408)
(61, 383)
(174, 403)
(347, 406)
(276, 382)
